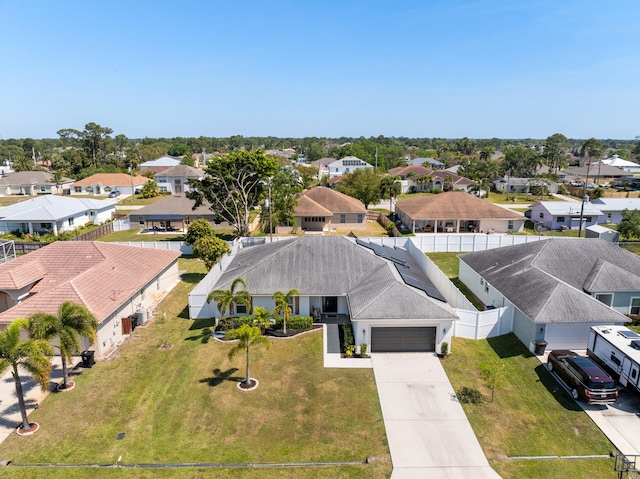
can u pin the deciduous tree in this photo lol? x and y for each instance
(210, 249)
(629, 226)
(363, 184)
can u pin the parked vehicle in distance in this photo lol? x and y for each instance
(114, 193)
(584, 378)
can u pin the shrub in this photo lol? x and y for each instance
(363, 349)
(444, 349)
(350, 351)
(299, 322)
(348, 335)
(470, 396)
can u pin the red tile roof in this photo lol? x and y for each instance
(115, 179)
(319, 200)
(100, 276)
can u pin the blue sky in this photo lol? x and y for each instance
(429, 68)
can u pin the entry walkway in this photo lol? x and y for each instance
(427, 430)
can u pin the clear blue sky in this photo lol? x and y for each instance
(424, 68)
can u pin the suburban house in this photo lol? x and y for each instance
(420, 178)
(32, 183)
(523, 185)
(628, 182)
(391, 303)
(628, 166)
(612, 208)
(557, 288)
(172, 213)
(159, 164)
(324, 209)
(596, 173)
(565, 215)
(114, 282)
(175, 179)
(456, 212)
(348, 164)
(55, 214)
(104, 183)
(428, 162)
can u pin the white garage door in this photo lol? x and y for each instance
(398, 340)
(567, 336)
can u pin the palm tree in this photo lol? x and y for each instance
(226, 298)
(486, 153)
(282, 305)
(73, 320)
(261, 318)
(30, 354)
(247, 336)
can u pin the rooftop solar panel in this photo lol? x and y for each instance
(629, 334)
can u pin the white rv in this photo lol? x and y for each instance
(617, 349)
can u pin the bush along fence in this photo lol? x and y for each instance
(388, 225)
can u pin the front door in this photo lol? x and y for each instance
(330, 304)
(178, 185)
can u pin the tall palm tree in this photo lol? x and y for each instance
(226, 298)
(282, 305)
(72, 322)
(390, 187)
(247, 336)
(30, 354)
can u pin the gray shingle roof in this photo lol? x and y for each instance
(546, 280)
(332, 266)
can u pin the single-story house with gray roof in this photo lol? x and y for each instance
(557, 288)
(174, 213)
(339, 280)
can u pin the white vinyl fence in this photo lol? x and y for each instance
(483, 324)
(463, 243)
(181, 246)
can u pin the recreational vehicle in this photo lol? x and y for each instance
(617, 349)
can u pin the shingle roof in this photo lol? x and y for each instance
(178, 205)
(453, 205)
(51, 208)
(322, 201)
(107, 179)
(332, 266)
(546, 280)
(30, 177)
(181, 171)
(100, 276)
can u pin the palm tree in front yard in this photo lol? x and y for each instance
(282, 305)
(72, 321)
(247, 336)
(30, 354)
(226, 298)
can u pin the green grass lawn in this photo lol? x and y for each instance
(182, 405)
(138, 200)
(12, 200)
(449, 264)
(531, 415)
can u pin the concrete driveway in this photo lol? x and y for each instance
(427, 430)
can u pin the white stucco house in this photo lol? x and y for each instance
(390, 302)
(612, 208)
(175, 179)
(556, 289)
(56, 214)
(345, 165)
(558, 215)
(101, 184)
(32, 183)
(625, 165)
(114, 282)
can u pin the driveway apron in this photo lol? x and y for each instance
(427, 430)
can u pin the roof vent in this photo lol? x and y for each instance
(635, 344)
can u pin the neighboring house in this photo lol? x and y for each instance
(428, 162)
(563, 215)
(174, 212)
(628, 166)
(156, 166)
(612, 208)
(602, 232)
(102, 184)
(455, 212)
(348, 164)
(597, 173)
(339, 281)
(420, 178)
(558, 288)
(112, 281)
(628, 182)
(32, 183)
(53, 213)
(324, 209)
(175, 179)
(523, 185)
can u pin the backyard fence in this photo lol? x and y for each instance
(483, 324)
(95, 233)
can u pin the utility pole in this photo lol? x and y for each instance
(585, 199)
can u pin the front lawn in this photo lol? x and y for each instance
(531, 416)
(182, 406)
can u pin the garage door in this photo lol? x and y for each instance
(567, 336)
(398, 340)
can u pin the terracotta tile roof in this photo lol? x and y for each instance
(101, 276)
(22, 275)
(453, 205)
(115, 179)
(327, 200)
(417, 170)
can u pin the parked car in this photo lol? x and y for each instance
(114, 193)
(584, 378)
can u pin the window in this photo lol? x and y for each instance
(541, 214)
(360, 218)
(77, 189)
(141, 221)
(92, 213)
(47, 226)
(560, 219)
(486, 287)
(241, 309)
(587, 219)
(70, 221)
(635, 306)
(42, 189)
(605, 298)
(510, 225)
(343, 218)
(481, 280)
(313, 219)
